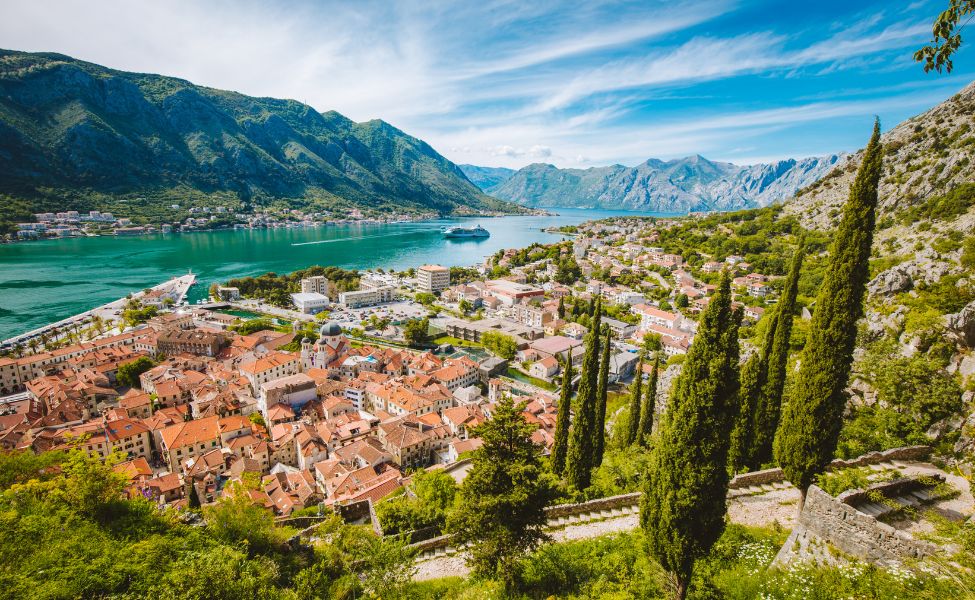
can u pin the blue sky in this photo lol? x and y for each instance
(507, 83)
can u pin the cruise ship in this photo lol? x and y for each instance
(466, 232)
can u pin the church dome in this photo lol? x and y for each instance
(306, 341)
(330, 329)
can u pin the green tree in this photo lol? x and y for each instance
(812, 418)
(416, 331)
(502, 500)
(636, 399)
(561, 309)
(465, 306)
(601, 397)
(128, 373)
(500, 344)
(561, 442)
(753, 374)
(579, 462)
(649, 405)
(432, 497)
(236, 519)
(192, 496)
(945, 37)
(683, 506)
(681, 301)
(768, 408)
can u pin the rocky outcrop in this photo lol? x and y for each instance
(960, 326)
(892, 281)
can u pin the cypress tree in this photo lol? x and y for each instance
(561, 310)
(776, 355)
(649, 405)
(812, 418)
(579, 462)
(193, 498)
(753, 374)
(683, 504)
(561, 442)
(600, 430)
(636, 393)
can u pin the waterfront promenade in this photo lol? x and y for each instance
(176, 288)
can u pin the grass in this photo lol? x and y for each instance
(519, 375)
(448, 339)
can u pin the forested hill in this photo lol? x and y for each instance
(78, 135)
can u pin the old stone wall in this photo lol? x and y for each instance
(856, 533)
(769, 476)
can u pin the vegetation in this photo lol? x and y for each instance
(136, 314)
(502, 500)
(579, 462)
(416, 332)
(432, 498)
(813, 417)
(69, 532)
(634, 410)
(684, 501)
(560, 444)
(776, 356)
(499, 344)
(599, 441)
(645, 430)
(945, 37)
(683, 506)
(128, 373)
(277, 289)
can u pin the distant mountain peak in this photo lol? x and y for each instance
(677, 185)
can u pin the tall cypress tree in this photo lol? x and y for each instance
(579, 462)
(812, 418)
(649, 405)
(753, 374)
(776, 354)
(561, 309)
(683, 506)
(601, 392)
(561, 442)
(636, 395)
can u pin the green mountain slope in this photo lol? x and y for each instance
(78, 135)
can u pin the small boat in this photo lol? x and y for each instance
(466, 232)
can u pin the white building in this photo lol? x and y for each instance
(310, 303)
(433, 278)
(315, 285)
(366, 296)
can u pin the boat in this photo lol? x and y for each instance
(466, 232)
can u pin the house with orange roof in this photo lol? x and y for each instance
(272, 365)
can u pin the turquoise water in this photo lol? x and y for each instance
(45, 281)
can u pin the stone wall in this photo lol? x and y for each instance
(857, 534)
(599, 504)
(768, 476)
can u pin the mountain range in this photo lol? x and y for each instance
(693, 183)
(78, 135)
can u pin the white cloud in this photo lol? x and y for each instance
(499, 82)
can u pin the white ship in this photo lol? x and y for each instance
(466, 232)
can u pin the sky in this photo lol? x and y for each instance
(510, 82)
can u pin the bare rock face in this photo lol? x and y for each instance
(961, 326)
(892, 281)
